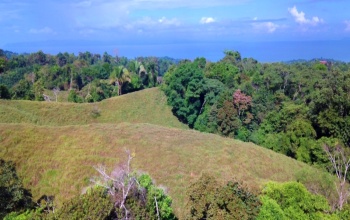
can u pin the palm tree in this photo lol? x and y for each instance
(153, 70)
(119, 76)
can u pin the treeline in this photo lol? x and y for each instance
(88, 77)
(294, 109)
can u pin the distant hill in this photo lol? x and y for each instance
(7, 54)
(56, 145)
(312, 60)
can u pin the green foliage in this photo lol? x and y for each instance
(185, 90)
(320, 183)
(226, 73)
(209, 200)
(94, 204)
(3, 64)
(13, 196)
(67, 71)
(4, 92)
(33, 214)
(270, 210)
(288, 108)
(156, 197)
(73, 97)
(344, 213)
(23, 90)
(291, 200)
(142, 202)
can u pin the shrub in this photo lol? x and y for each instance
(208, 200)
(13, 196)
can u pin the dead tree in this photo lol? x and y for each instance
(56, 90)
(340, 163)
(119, 183)
(47, 98)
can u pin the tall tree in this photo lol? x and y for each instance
(119, 76)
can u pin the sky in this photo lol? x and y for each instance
(267, 30)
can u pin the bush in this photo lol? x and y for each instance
(94, 204)
(291, 200)
(13, 196)
(208, 200)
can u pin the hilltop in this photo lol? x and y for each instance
(146, 106)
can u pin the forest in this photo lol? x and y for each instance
(87, 77)
(300, 109)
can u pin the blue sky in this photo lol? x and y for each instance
(266, 30)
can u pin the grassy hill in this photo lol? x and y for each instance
(57, 147)
(146, 106)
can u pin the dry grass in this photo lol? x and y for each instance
(147, 106)
(59, 160)
(56, 145)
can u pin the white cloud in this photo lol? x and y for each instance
(207, 20)
(347, 25)
(300, 18)
(269, 26)
(146, 24)
(45, 30)
(166, 21)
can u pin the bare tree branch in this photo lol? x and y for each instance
(340, 164)
(56, 90)
(119, 183)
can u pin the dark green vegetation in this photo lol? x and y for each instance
(294, 109)
(207, 200)
(13, 196)
(288, 108)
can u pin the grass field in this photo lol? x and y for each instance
(57, 147)
(146, 106)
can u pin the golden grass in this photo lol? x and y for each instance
(146, 106)
(56, 145)
(59, 160)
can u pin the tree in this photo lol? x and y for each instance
(13, 196)
(4, 92)
(224, 72)
(55, 91)
(94, 204)
(119, 76)
(185, 90)
(241, 101)
(291, 200)
(232, 56)
(23, 90)
(158, 202)
(133, 196)
(208, 200)
(338, 156)
(3, 64)
(73, 97)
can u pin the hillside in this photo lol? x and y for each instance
(146, 106)
(56, 145)
(60, 160)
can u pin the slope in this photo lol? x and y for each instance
(59, 160)
(146, 106)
